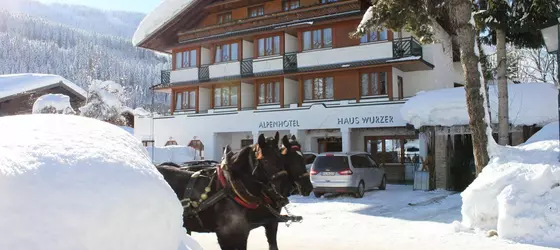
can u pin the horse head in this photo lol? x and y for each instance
(295, 165)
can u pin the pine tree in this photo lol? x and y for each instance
(422, 17)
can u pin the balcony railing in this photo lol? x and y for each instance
(204, 73)
(165, 77)
(290, 62)
(406, 47)
(247, 67)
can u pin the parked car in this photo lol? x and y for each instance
(353, 172)
(309, 159)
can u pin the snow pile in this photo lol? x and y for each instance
(160, 16)
(53, 104)
(518, 193)
(70, 182)
(447, 107)
(174, 153)
(105, 102)
(19, 83)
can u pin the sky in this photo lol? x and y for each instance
(143, 6)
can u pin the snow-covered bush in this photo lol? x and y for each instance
(518, 193)
(70, 182)
(53, 104)
(105, 102)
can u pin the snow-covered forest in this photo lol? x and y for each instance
(65, 42)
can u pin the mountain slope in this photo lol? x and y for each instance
(36, 45)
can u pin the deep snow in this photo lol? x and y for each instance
(175, 153)
(60, 102)
(160, 16)
(69, 182)
(20, 83)
(518, 193)
(447, 107)
(382, 220)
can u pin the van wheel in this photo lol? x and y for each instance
(383, 185)
(361, 190)
(317, 195)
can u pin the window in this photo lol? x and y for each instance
(374, 36)
(316, 39)
(227, 52)
(309, 158)
(360, 161)
(256, 11)
(185, 100)
(185, 59)
(269, 46)
(224, 18)
(290, 5)
(246, 142)
(148, 143)
(332, 163)
(374, 83)
(225, 96)
(269, 92)
(318, 88)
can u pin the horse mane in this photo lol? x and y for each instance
(239, 161)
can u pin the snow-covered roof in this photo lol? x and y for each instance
(166, 11)
(529, 103)
(20, 83)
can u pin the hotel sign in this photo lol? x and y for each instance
(356, 120)
(279, 124)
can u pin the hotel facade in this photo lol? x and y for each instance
(246, 67)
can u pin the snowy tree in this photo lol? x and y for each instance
(425, 19)
(105, 102)
(53, 104)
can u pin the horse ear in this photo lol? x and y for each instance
(262, 141)
(277, 137)
(293, 137)
(286, 141)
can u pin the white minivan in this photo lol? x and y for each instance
(353, 172)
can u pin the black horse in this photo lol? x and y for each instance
(222, 199)
(299, 184)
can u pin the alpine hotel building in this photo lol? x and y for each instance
(245, 67)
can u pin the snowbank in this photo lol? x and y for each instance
(518, 193)
(160, 16)
(175, 153)
(128, 129)
(447, 107)
(70, 182)
(58, 103)
(19, 83)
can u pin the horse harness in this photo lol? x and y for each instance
(229, 187)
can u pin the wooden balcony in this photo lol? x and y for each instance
(278, 18)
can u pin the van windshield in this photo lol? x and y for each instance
(332, 163)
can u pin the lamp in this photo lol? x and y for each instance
(551, 36)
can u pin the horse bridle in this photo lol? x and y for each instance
(255, 163)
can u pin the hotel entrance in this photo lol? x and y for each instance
(397, 154)
(330, 144)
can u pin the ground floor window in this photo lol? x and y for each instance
(148, 143)
(397, 150)
(185, 100)
(374, 83)
(225, 96)
(269, 92)
(319, 88)
(330, 144)
(246, 142)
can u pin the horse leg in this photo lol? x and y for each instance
(233, 240)
(271, 230)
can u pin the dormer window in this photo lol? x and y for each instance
(256, 11)
(290, 5)
(224, 18)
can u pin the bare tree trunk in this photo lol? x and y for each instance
(503, 109)
(461, 12)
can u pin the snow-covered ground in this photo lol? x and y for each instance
(380, 220)
(68, 182)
